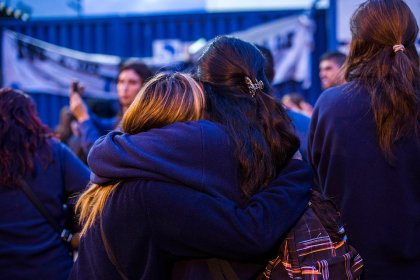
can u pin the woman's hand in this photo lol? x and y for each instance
(78, 107)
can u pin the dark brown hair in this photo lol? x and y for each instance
(392, 78)
(260, 129)
(23, 136)
(338, 57)
(141, 69)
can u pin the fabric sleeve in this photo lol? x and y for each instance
(321, 128)
(88, 135)
(93, 128)
(216, 227)
(313, 154)
(75, 172)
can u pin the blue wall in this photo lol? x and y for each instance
(133, 36)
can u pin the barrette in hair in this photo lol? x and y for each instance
(398, 48)
(253, 87)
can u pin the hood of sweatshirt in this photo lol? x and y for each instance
(197, 154)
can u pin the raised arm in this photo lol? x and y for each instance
(90, 127)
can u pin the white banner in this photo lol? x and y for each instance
(290, 41)
(169, 51)
(36, 66)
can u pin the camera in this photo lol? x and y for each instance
(75, 87)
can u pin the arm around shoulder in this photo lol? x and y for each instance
(75, 172)
(191, 223)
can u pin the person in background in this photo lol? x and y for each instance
(329, 69)
(301, 124)
(300, 121)
(63, 129)
(132, 75)
(29, 246)
(269, 69)
(364, 141)
(187, 189)
(68, 133)
(296, 102)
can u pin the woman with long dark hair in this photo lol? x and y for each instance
(29, 246)
(237, 91)
(364, 140)
(225, 186)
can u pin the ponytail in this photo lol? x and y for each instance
(384, 59)
(395, 101)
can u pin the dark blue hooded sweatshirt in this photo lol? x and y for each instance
(180, 198)
(379, 201)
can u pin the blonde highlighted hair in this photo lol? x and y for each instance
(163, 100)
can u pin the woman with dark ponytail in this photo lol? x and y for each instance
(232, 73)
(364, 140)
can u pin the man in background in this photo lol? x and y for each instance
(329, 69)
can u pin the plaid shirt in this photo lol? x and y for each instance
(308, 253)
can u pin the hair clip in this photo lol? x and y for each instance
(253, 87)
(398, 48)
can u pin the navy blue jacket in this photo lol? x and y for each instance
(29, 247)
(380, 203)
(181, 198)
(93, 128)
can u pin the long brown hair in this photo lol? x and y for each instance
(392, 78)
(260, 129)
(165, 99)
(23, 137)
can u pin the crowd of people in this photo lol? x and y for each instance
(208, 168)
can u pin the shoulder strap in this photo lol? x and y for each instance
(110, 253)
(221, 269)
(64, 234)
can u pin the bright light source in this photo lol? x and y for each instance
(196, 46)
